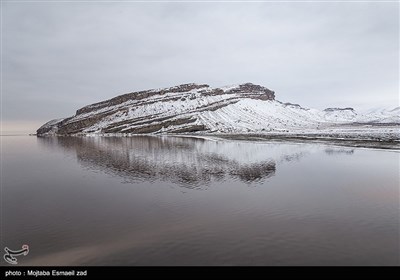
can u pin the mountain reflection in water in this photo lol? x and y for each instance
(191, 162)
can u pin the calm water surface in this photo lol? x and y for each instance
(185, 201)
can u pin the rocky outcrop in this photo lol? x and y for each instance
(254, 91)
(288, 104)
(338, 109)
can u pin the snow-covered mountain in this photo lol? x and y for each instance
(383, 115)
(189, 108)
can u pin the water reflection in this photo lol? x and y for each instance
(190, 162)
(311, 204)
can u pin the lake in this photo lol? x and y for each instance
(163, 200)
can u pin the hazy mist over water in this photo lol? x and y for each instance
(150, 200)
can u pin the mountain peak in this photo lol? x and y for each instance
(249, 88)
(184, 87)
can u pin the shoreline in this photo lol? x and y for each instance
(309, 138)
(378, 141)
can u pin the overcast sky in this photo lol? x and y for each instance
(58, 57)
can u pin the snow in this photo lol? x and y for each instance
(383, 115)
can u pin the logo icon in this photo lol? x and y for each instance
(9, 256)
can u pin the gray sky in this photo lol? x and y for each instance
(58, 57)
